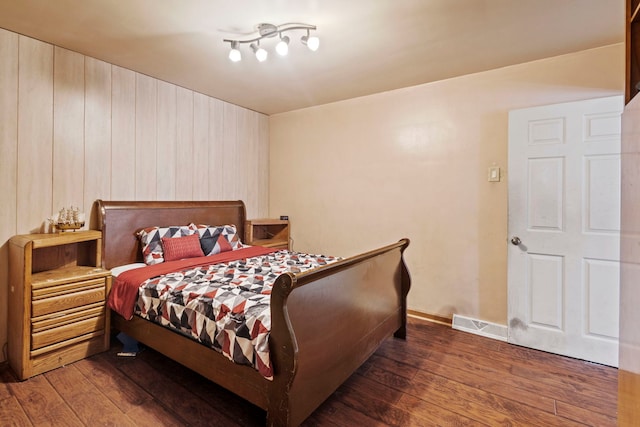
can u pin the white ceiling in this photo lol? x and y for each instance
(366, 46)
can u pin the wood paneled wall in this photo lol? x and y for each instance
(74, 129)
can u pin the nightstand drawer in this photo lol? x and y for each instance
(61, 318)
(67, 331)
(63, 297)
(271, 244)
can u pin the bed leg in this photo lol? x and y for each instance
(278, 418)
(405, 285)
(402, 332)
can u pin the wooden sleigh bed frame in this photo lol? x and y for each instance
(324, 323)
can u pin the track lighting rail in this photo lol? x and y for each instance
(266, 31)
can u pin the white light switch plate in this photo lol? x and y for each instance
(494, 174)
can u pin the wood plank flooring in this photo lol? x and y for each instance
(438, 376)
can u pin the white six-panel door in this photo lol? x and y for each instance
(564, 226)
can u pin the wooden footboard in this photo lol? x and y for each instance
(327, 322)
(324, 323)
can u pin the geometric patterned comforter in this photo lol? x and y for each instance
(224, 306)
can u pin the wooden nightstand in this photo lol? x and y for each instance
(57, 300)
(272, 233)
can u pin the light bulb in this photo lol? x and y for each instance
(235, 55)
(312, 42)
(283, 46)
(261, 54)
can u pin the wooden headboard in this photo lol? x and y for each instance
(120, 221)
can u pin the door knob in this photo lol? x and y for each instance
(515, 240)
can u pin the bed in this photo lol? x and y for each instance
(312, 353)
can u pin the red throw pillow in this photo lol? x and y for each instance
(181, 247)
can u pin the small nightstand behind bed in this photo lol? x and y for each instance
(271, 233)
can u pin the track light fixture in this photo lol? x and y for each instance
(268, 31)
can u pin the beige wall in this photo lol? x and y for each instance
(413, 162)
(74, 129)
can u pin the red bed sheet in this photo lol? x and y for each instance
(124, 290)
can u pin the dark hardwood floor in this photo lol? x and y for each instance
(438, 376)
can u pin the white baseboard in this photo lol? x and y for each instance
(480, 327)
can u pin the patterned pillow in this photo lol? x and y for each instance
(181, 248)
(216, 239)
(151, 241)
